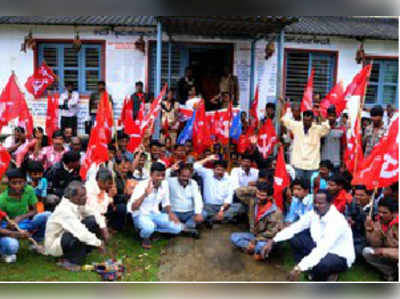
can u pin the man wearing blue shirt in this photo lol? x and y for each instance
(302, 201)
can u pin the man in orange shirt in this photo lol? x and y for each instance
(336, 185)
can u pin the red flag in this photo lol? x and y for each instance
(214, 119)
(134, 130)
(224, 124)
(381, 168)
(307, 101)
(105, 115)
(5, 159)
(11, 100)
(253, 111)
(334, 97)
(244, 141)
(126, 108)
(201, 130)
(281, 178)
(25, 119)
(40, 80)
(154, 109)
(52, 116)
(97, 150)
(353, 155)
(266, 138)
(354, 92)
(100, 136)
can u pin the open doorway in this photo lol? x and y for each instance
(208, 64)
(206, 59)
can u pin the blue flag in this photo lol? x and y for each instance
(187, 131)
(236, 128)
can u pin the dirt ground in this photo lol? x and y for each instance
(213, 258)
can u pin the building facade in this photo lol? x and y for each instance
(110, 52)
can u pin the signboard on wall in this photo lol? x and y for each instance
(39, 110)
(242, 69)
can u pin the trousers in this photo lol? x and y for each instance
(302, 244)
(242, 240)
(160, 222)
(74, 250)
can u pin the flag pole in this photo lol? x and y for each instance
(229, 137)
(371, 202)
(359, 118)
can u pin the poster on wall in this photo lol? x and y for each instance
(265, 77)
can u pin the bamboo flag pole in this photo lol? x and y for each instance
(372, 201)
(38, 247)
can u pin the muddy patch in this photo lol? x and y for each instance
(213, 258)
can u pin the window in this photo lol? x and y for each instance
(383, 82)
(177, 65)
(82, 68)
(299, 64)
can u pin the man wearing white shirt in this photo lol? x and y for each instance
(144, 206)
(73, 230)
(185, 197)
(321, 240)
(217, 192)
(69, 105)
(245, 174)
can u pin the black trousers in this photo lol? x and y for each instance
(302, 244)
(70, 122)
(117, 218)
(74, 250)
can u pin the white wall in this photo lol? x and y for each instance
(123, 66)
(347, 66)
(128, 65)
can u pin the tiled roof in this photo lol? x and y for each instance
(81, 20)
(355, 27)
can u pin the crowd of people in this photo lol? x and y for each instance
(164, 187)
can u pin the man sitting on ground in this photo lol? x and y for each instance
(217, 191)
(319, 180)
(51, 154)
(267, 221)
(144, 206)
(19, 202)
(336, 184)
(383, 235)
(356, 213)
(185, 198)
(302, 201)
(60, 175)
(72, 230)
(245, 174)
(100, 193)
(38, 182)
(321, 240)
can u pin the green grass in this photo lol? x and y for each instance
(360, 271)
(141, 265)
